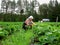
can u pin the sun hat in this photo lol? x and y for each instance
(30, 17)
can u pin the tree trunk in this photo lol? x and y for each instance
(57, 19)
(6, 7)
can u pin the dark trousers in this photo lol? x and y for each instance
(25, 28)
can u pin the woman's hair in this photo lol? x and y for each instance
(30, 17)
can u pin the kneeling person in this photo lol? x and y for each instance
(28, 23)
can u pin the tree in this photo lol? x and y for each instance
(27, 6)
(43, 10)
(9, 5)
(33, 4)
(3, 5)
(13, 5)
(19, 3)
(50, 11)
(53, 10)
(6, 6)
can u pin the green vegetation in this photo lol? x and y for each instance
(45, 33)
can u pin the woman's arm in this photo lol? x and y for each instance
(33, 23)
(27, 22)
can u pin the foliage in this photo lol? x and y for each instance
(10, 17)
(46, 33)
(51, 10)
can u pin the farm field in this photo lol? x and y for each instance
(45, 33)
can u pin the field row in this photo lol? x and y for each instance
(46, 33)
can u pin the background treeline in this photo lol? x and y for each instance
(50, 11)
(8, 17)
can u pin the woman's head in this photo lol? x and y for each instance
(30, 18)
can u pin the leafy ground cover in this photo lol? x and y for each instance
(46, 33)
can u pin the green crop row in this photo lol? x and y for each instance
(7, 29)
(46, 33)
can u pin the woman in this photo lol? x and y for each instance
(28, 23)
